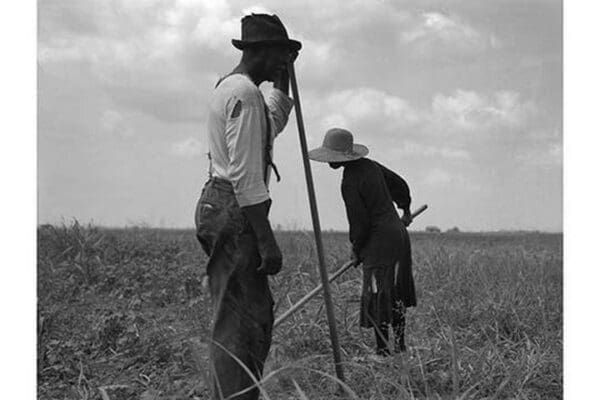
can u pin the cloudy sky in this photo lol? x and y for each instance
(462, 98)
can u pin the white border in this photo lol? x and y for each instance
(582, 202)
(19, 199)
(18, 37)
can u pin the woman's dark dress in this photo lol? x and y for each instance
(380, 239)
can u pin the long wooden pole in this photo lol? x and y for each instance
(333, 277)
(335, 345)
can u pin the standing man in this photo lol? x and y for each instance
(232, 214)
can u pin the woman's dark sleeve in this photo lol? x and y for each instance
(397, 187)
(358, 217)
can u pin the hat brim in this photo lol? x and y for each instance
(244, 44)
(324, 154)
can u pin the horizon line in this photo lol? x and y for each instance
(276, 229)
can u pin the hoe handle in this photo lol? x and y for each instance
(311, 294)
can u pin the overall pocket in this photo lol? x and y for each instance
(208, 218)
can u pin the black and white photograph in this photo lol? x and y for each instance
(307, 199)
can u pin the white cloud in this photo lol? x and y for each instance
(555, 154)
(216, 25)
(416, 149)
(149, 57)
(440, 178)
(462, 112)
(434, 31)
(549, 154)
(189, 148)
(442, 26)
(437, 177)
(112, 122)
(341, 16)
(462, 126)
(470, 111)
(546, 134)
(317, 57)
(334, 120)
(134, 32)
(257, 9)
(139, 56)
(110, 119)
(359, 105)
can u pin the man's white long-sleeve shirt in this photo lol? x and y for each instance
(237, 141)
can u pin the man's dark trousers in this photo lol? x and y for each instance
(241, 298)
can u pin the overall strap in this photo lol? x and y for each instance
(268, 147)
(210, 166)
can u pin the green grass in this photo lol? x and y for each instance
(121, 314)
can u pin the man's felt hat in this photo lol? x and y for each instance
(264, 29)
(338, 146)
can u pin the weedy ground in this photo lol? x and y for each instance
(121, 315)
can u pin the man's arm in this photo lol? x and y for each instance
(244, 146)
(272, 259)
(278, 102)
(245, 171)
(279, 106)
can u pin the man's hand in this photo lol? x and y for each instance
(293, 56)
(406, 218)
(270, 255)
(281, 79)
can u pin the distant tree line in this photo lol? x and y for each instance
(435, 229)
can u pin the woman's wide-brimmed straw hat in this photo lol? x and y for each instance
(264, 29)
(338, 146)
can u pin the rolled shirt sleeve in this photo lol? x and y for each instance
(280, 105)
(244, 141)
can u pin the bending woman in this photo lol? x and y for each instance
(378, 235)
